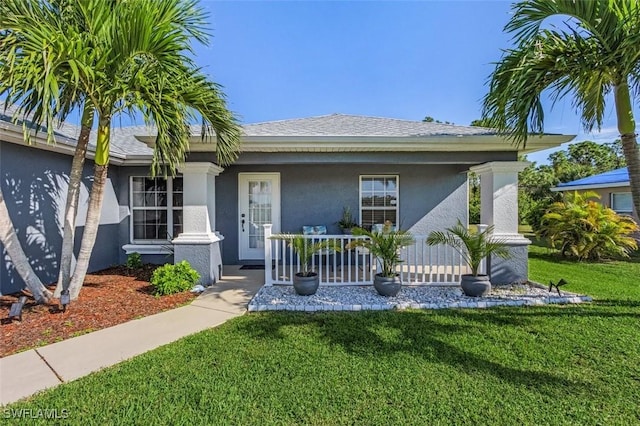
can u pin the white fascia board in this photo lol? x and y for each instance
(592, 186)
(13, 134)
(458, 143)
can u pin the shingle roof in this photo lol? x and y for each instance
(124, 141)
(616, 176)
(356, 125)
(123, 138)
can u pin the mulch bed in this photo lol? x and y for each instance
(109, 297)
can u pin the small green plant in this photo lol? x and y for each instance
(170, 279)
(82, 332)
(306, 248)
(583, 229)
(134, 261)
(472, 246)
(347, 221)
(384, 245)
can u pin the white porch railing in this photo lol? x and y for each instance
(422, 264)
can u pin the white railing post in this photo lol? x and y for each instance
(483, 265)
(268, 277)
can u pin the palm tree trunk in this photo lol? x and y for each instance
(19, 259)
(94, 209)
(627, 128)
(73, 194)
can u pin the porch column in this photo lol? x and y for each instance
(499, 207)
(199, 242)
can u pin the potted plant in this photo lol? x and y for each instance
(385, 245)
(473, 247)
(347, 222)
(306, 280)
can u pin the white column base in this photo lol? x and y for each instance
(203, 253)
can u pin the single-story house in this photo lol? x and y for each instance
(612, 186)
(291, 173)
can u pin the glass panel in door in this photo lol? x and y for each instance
(260, 202)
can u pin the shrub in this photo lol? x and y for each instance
(134, 261)
(170, 279)
(584, 229)
(535, 213)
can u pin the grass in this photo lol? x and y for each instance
(612, 280)
(533, 365)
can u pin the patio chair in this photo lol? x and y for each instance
(379, 227)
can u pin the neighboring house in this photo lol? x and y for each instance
(612, 186)
(291, 173)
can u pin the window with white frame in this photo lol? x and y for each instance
(621, 202)
(378, 200)
(156, 207)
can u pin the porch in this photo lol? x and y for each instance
(227, 226)
(421, 264)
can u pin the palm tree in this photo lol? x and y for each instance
(127, 57)
(143, 65)
(594, 54)
(474, 247)
(33, 85)
(35, 99)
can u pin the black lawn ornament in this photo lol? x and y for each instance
(557, 286)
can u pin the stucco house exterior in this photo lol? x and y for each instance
(291, 173)
(612, 186)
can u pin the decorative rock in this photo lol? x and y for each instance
(358, 298)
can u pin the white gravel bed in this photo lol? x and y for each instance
(360, 298)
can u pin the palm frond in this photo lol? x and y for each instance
(472, 247)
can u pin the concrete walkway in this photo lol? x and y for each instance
(28, 372)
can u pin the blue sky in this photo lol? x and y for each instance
(290, 59)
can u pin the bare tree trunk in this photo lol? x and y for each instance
(94, 209)
(90, 230)
(632, 156)
(627, 128)
(73, 194)
(20, 261)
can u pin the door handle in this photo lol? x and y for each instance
(242, 225)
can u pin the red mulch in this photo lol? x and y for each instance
(109, 297)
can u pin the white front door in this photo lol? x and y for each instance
(258, 204)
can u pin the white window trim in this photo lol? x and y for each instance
(611, 196)
(166, 248)
(149, 244)
(360, 206)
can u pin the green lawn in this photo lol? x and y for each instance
(534, 365)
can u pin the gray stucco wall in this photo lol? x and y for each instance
(430, 196)
(34, 184)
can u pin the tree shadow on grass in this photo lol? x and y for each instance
(508, 316)
(415, 333)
